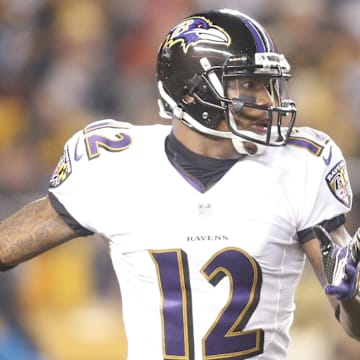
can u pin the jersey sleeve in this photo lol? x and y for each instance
(75, 186)
(327, 196)
(66, 216)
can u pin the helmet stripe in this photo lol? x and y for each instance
(262, 40)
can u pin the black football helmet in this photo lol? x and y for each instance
(201, 54)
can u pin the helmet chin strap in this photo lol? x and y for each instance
(243, 146)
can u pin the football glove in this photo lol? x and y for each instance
(340, 265)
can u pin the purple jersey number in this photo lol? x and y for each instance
(225, 339)
(95, 141)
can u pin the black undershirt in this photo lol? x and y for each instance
(200, 171)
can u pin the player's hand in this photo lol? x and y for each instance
(340, 265)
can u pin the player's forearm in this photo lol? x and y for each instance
(349, 316)
(347, 312)
(31, 231)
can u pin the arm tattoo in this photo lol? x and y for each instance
(32, 230)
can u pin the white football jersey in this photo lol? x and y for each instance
(202, 275)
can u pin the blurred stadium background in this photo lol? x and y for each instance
(64, 63)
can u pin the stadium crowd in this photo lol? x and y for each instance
(65, 63)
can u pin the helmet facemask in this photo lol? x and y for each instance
(271, 121)
(209, 93)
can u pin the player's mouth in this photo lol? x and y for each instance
(256, 124)
(259, 127)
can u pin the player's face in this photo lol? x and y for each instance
(258, 91)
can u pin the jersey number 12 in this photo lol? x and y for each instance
(225, 339)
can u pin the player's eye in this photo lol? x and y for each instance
(238, 85)
(248, 84)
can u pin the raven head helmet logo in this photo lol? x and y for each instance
(196, 30)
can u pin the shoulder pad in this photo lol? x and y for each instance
(109, 123)
(310, 139)
(103, 135)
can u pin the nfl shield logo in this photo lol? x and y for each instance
(204, 209)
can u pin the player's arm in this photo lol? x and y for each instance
(35, 228)
(343, 293)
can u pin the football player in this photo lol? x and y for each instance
(209, 221)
